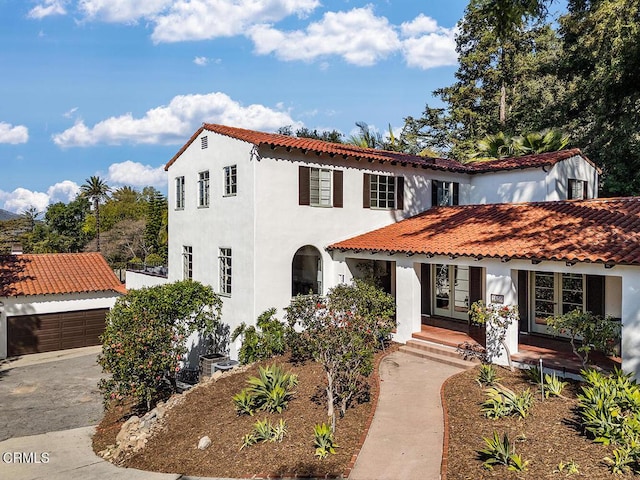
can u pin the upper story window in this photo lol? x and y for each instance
(225, 271)
(230, 180)
(179, 192)
(204, 142)
(383, 191)
(444, 193)
(319, 187)
(203, 189)
(577, 189)
(187, 262)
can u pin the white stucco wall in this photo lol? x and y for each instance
(534, 184)
(42, 304)
(135, 280)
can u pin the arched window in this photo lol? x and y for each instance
(306, 271)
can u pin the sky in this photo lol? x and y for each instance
(114, 88)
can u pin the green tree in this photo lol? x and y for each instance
(505, 51)
(155, 209)
(601, 64)
(145, 338)
(96, 190)
(62, 229)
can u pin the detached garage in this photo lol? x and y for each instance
(54, 302)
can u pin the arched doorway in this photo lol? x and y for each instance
(306, 271)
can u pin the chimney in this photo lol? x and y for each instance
(16, 249)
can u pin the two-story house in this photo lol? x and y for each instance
(262, 217)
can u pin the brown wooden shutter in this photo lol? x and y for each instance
(304, 185)
(595, 294)
(456, 193)
(366, 191)
(523, 299)
(425, 289)
(475, 284)
(400, 193)
(337, 188)
(434, 193)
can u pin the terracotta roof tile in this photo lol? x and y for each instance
(601, 230)
(371, 154)
(55, 273)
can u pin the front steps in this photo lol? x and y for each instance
(437, 353)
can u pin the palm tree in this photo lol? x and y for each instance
(96, 190)
(367, 138)
(493, 147)
(548, 140)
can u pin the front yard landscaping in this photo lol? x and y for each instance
(550, 438)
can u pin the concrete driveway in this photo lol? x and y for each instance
(50, 392)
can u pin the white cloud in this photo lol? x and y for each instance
(201, 61)
(136, 174)
(122, 11)
(430, 50)
(420, 24)
(21, 199)
(48, 8)
(13, 134)
(70, 113)
(172, 123)
(206, 19)
(358, 36)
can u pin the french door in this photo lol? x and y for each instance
(451, 291)
(555, 294)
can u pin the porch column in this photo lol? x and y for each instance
(631, 322)
(407, 298)
(501, 280)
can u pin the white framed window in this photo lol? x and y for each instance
(225, 271)
(320, 187)
(204, 142)
(444, 193)
(577, 189)
(203, 189)
(230, 180)
(179, 192)
(383, 191)
(187, 262)
(553, 294)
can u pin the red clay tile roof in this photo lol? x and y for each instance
(55, 273)
(601, 230)
(338, 149)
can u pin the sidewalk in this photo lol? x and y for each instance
(405, 438)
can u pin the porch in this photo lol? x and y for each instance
(555, 353)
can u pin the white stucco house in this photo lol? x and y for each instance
(54, 301)
(262, 217)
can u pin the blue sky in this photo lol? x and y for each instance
(115, 87)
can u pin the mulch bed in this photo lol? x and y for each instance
(548, 436)
(209, 410)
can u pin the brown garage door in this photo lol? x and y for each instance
(54, 331)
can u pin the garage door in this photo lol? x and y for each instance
(54, 331)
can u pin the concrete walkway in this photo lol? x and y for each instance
(405, 438)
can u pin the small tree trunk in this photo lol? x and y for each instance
(506, 348)
(330, 404)
(503, 104)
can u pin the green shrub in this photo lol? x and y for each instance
(323, 440)
(145, 339)
(553, 385)
(265, 340)
(153, 259)
(265, 431)
(271, 391)
(501, 452)
(244, 402)
(487, 374)
(502, 402)
(533, 374)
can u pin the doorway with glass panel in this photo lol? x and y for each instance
(451, 291)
